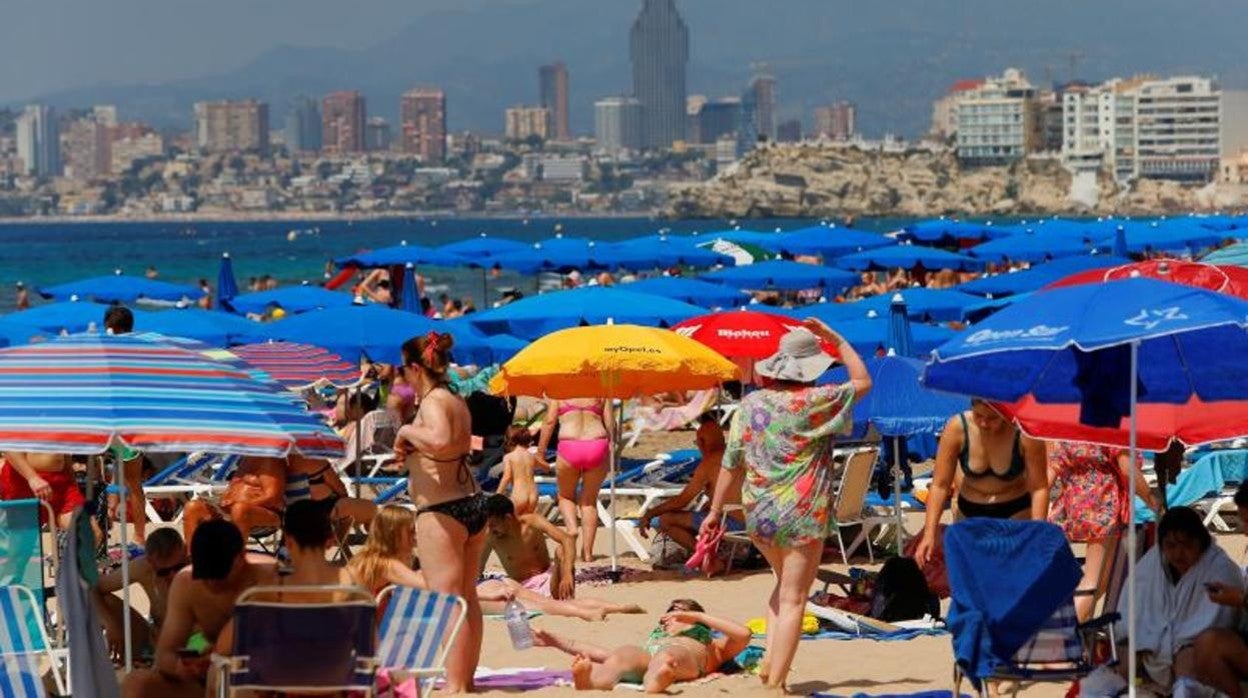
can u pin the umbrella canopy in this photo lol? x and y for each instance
(292, 299)
(783, 275)
(826, 241)
(84, 393)
(65, 316)
(1193, 423)
(554, 254)
(298, 366)
(739, 334)
(372, 331)
(873, 336)
(945, 231)
(401, 255)
(409, 300)
(1068, 345)
(1177, 235)
(900, 336)
(484, 246)
(898, 404)
(908, 257)
(1038, 276)
(227, 286)
(207, 326)
(925, 304)
(1223, 279)
(535, 316)
(661, 253)
(612, 361)
(1236, 254)
(121, 289)
(741, 237)
(694, 291)
(1030, 247)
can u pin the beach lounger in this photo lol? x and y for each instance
(417, 629)
(670, 418)
(652, 483)
(23, 640)
(374, 447)
(285, 644)
(196, 474)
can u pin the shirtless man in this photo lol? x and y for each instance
(164, 555)
(674, 520)
(45, 476)
(539, 584)
(255, 497)
(201, 603)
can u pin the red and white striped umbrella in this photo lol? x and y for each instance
(299, 366)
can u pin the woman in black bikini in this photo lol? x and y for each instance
(1000, 474)
(450, 518)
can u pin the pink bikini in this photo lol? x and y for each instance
(583, 454)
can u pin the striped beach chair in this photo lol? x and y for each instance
(23, 641)
(417, 628)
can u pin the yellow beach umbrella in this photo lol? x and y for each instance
(612, 361)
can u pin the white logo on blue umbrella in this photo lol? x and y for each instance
(1148, 319)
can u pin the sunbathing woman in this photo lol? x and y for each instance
(450, 517)
(585, 433)
(681, 648)
(518, 467)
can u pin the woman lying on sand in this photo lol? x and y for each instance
(681, 648)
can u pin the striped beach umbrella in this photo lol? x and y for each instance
(85, 393)
(298, 366)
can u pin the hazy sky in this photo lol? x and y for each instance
(49, 45)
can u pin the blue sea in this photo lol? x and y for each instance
(43, 254)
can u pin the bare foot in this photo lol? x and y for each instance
(631, 608)
(581, 669)
(764, 669)
(593, 615)
(658, 680)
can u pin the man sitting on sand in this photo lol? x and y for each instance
(254, 498)
(164, 555)
(201, 602)
(539, 584)
(682, 648)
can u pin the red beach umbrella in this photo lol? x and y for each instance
(741, 334)
(1228, 279)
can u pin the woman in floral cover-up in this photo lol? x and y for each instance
(780, 452)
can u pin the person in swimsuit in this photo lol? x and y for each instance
(518, 466)
(45, 476)
(681, 648)
(316, 480)
(164, 555)
(1000, 474)
(586, 428)
(450, 513)
(388, 553)
(254, 498)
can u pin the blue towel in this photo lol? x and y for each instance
(1007, 579)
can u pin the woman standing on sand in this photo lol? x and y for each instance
(780, 446)
(586, 428)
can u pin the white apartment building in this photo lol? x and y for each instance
(998, 121)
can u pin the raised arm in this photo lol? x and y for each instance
(432, 432)
(858, 376)
(947, 451)
(567, 552)
(736, 636)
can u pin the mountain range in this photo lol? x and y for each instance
(890, 58)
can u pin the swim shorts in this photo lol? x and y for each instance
(65, 495)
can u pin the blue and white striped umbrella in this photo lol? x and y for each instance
(85, 393)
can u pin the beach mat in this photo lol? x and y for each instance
(521, 679)
(894, 636)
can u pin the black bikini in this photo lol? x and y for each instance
(469, 511)
(996, 510)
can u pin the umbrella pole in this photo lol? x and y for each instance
(1131, 662)
(120, 477)
(901, 532)
(359, 435)
(615, 467)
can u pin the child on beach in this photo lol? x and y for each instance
(518, 466)
(681, 648)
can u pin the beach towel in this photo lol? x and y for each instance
(1008, 578)
(91, 673)
(1170, 616)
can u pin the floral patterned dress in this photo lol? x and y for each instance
(1090, 502)
(784, 439)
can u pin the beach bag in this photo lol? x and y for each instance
(666, 554)
(901, 593)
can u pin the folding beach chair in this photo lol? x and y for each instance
(1018, 623)
(374, 446)
(416, 630)
(301, 646)
(850, 508)
(669, 418)
(196, 474)
(651, 482)
(23, 561)
(23, 639)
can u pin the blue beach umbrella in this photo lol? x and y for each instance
(208, 326)
(900, 339)
(1119, 246)
(1165, 236)
(118, 288)
(826, 241)
(831, 312)
(227, 287)
(944, 231)
(1236, 254)
(1030, 247)
(292, 299)
(1105, 347)
(402, 255)
(484, 246)
(556, 254)
(66, 316)
(535, 316)
(694, 291)
(1038, 276)
(783, 275)
(925, 304)
(410, 300)
(373, 331)
(908, 257)
(741, 237)
(655, 254)
(872, 337)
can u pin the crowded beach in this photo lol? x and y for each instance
(987, 459)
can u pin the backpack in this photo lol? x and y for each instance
(901, 593)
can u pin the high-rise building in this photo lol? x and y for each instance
(423, 114)
(945, 109)
(659, 51)
(553, 95)
(132, 142)
(522, 123)
(618, 124)
(715, 119)
(343, 117)
(789, 131)
(88, 149)
(764, 88)
(377, 136)
(999, 121)
(105, 114)
(39, 141)
(229, 126)
(838, 121)
(303, 126)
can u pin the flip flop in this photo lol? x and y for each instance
(705, 547)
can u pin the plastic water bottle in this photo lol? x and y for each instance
(518, 625)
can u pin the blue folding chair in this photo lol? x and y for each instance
(417, 629)
(1012, 615)
(24, 565)
(23, 640)
(304, 646)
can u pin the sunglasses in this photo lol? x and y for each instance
(163, 572)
